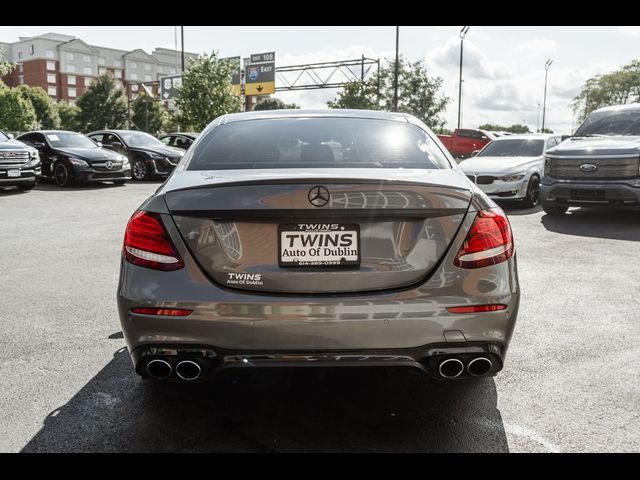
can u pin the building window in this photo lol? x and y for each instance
(51, 66)
(70, 56)
(71, 68)
(53, 91)
(51, 78)
(133, 65)
(19, 55)
(147, 78)
(21, 79)
(87, 82)
(102, 71)
(49, 54)
(134, 76)
(117, 63)
(118, 73)
(72, 92)
(86, 58)
(71, 79)
(102, 61)
(147, 67)
(87, 71)
(32, 49)
(21, 68)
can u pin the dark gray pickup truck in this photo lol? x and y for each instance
(19, 164)
(598, 166)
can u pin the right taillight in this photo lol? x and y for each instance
(147, 243)
(488, 242)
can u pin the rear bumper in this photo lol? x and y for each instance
(604, 193)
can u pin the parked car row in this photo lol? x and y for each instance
(69, 158)
(599, 165)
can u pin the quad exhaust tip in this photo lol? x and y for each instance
(479, 366)
(188, 370)
(451, 368)
(159, 369)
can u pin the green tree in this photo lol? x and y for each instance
(46, 113)
(68, 114)
(274, 104)
(16, 113)
(418, 93)
(102, 105)
(5, 66)
(358, 95)
(517, 128)
(615, 88)
(148, 115)
(205, 92)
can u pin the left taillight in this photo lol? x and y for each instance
(147, 243)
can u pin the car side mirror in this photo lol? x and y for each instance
(39, 145)
(475, 153)
(564, 137)
(99, 144)
(11, 136)
(116, 145)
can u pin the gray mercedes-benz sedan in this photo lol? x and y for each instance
(317, 238)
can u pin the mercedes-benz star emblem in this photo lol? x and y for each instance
(319, 196)
(108, 165)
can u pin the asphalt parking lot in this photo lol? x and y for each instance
(571, 381)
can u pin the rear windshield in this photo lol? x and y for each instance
(513, 148)
(316, 143)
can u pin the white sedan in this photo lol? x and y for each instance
(510, 167)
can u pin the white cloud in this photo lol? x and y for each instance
(476, 63)
(536, 47)
(630, 31)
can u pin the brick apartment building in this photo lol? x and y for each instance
(64, 66)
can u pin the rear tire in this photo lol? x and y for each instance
(554, 210)
(62, 175)
(25, 188)
(533, 192)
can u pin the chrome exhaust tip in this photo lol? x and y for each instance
(188, 370)
(159, 369)
(451, 368)
(479, 366)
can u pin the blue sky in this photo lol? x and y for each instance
(503, 72)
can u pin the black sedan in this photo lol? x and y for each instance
(70, 157)
(148, 156)
(182, 140)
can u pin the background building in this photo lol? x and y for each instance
(64, 66)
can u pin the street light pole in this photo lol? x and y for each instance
(538, 120)
(463, 32)
(182, 45)
(547, 65)
(395, 77)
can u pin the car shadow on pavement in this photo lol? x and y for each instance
(599, 223)
(10, 191)
(517, 208)
(350, 410)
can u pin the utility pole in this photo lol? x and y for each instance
(395, 77)
(463, 33)
(182, 44)
(538, 120)
(547, 65)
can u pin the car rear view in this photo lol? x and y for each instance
(300, 238)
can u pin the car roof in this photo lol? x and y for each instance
(185, 134)
(617, 108)
(317, 113)
(50, 132)
(525, 136)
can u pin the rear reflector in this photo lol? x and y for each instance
(477, 308)
(169, 312)
(488, 242)
(147, 243)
